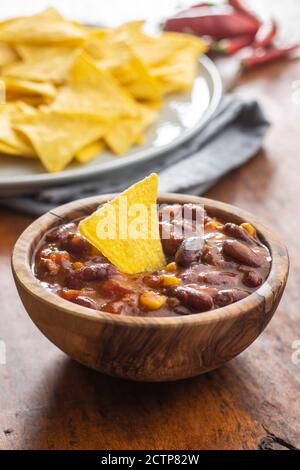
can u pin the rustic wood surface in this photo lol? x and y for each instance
(48, 401)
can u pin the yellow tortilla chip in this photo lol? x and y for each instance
(118, 58)
(89, 151)
(179, 73)
(49, 64)
(19, 109)
(155, 50)
(47, 27)
(94, 92)
(170, 57)
(9, 138)
(50, 13)
(16, 86)
(7, 54)
(132, 242)
(56, 137)
(5, 148)
(140, 139)
(72, 89)
(127, 131)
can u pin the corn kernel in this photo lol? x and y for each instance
(250, 229)
(167, 280)
(213, 224)
(151, 300)
(77, 265)
(171, 266)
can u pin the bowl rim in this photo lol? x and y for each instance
(24, 276)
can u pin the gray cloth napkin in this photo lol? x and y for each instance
(231, 137)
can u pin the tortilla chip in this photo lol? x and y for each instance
(132, 245)
(94, 92)
(47, 27)
(5, 148)
(160, 49)
(127, 132)
(140, 139)
(50, 64)
(119, 59)
(179, 73)
(19, 109)
(71, 89)
(18, 87)
(51, 13)
(89, 151)
(7, 54)
(10, 141)
(57, 137)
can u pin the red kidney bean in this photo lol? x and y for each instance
(242, 253)
(229, 296)
(218, 278)
(193, 298)
(77, 297)
(76, 277)
(252, 279)
(170, 243)
(76, 244)
(211, 255)
(60, 233)
(235, 231)
(189, 251)
(85, 302)
(174, 228)
(96, 272)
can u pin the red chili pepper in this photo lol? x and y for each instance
(238, 6)
(232, 45)
(264, 38)
(217, 22)
(202, 4)
(266, 56)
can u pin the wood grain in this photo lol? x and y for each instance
(48, 401)
(148, 349)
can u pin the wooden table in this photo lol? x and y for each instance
(48, 401)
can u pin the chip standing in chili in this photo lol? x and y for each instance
(185, 262)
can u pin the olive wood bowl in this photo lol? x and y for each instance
(148, 349)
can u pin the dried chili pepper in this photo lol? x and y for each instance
(202, 4)
(232, 45)
(264, 38)
(239, 7)
(266, 56)
(218, 22)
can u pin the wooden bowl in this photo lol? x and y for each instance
(148, 349)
